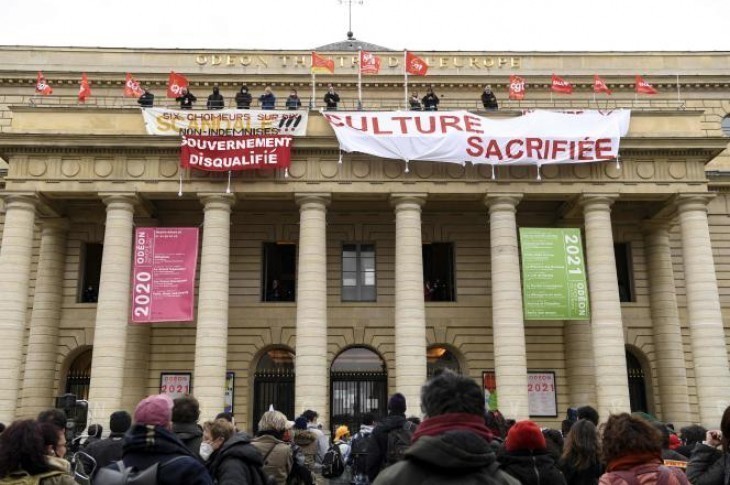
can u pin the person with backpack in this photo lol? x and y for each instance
(452, 444)
(308, 444)
(278, 456)
(26, 458)
(390, 438)
(109, 450)
(526, 456)
(359, 450)
(230, 457)
(152, 450)
(334, 465)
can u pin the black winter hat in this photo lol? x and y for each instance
(397, 403)
(120, 422)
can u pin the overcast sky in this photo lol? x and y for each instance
(483, 25)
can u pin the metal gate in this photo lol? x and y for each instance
(273, 387)
(637, 384)
(353, 394)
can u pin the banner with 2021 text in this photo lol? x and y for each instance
(534, 138)
(225, 122)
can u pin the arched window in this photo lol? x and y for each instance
(439, 357)
(274, 384)
(78, 377)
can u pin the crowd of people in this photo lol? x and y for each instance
(457, 442)
(267, 100)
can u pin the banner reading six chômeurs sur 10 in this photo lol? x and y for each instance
(554, 285)
(163, 279)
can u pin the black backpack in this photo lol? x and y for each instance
(333, 465)
(359, 452)
(399, 439)
(123, 475)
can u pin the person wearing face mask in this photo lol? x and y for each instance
(243, 98)
(215, 100)
(30, 450)
(230, 457)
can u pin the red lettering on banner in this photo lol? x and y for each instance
(377, 130)
(533, 147)
(493, 150)
(403, 125)
(450, 121)
(584, 149)
(603, 148)
(517, 155)
(473, 124)
(474, 147)
(431, 125)
(363, 123)
(226, 153)
(335, 120)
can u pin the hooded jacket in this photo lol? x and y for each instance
(237, 462)
(191, 436)
(308, 443)
(532, 468)
(708, 466)
(243, 99)
(455, 457)
(378, 445)
(147, 445)
(215, 100)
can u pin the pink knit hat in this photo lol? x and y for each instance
(154, 410)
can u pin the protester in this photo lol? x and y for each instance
(581, 460)
(430, 100)
(667, 453)
(243, 98)
(632, 451)
(342, 440)
(526, 456)
(589, 413)
(109, 450)
(267, 99)
(186, 99)
(309, 445)
(277, 455)
(331, 98)
(710, 460)
(690, 436)
(147, 100)
(495, 422)
(56, 417)
(554, 442)
(25, 452)
(185, 415)
(312, 418)
(94, 433)
(231, 458)
(215, 100)
(379, 453)
(359, 450)
(414, 102)
(451, 446)
(489, 100)
(293, 101)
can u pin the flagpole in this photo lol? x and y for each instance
(314, 82)
(405, 76)
(679, 96)
(359, 79)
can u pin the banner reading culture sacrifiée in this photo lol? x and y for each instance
(553, 274)
(222, 122)
(535, 138)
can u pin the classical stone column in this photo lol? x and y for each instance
(709, 349)
(15, 261)
(510, 355)
(211, 338)
(42, 353)
(410, 308)
(579, 367)
(311, 362)
(112, 309)
(670, 364)
(609, 351)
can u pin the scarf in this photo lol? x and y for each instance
(439, 425)
(627, 462)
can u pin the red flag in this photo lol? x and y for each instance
(643, 87)
(322, 65)
(516, 87)
(560, 85)
(132, 88)
(369, 63)
(175, 85)
(84, 88)
(41, 86)
(415, 65)
(599, 85)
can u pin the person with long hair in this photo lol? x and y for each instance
(632, 451)
(710, 460)
(581, 459)
(28, 448)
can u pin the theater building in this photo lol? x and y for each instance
(331, 285)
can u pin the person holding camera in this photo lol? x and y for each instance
(710, 460)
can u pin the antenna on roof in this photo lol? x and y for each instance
(349, 3)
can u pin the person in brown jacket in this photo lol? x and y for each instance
(278, 455)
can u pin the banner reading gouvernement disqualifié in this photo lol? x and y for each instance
(224, 122)
(554, 285)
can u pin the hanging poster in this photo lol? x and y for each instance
(542, 399)
(221, 122)
(175, 384)
(490, 390)
(230, 384)
(554, 285)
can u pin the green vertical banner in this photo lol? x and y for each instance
(554, 283)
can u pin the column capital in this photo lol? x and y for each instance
(21, 199)
(502, 202)
(693, 202)
(217, 200)
(58, 224)
(322, 198)
(119, 200)
(597, 202)
(651, 226)
(399, 198)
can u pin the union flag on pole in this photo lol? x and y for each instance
(643, 87)
(560, 85)
(369, 63)
(175, 84)
(84, 88)
(41, 85)
(599, 85)
(132, 87)
(516, 87)
(322, 65)
(415, 65)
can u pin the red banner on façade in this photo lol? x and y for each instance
(226, 153)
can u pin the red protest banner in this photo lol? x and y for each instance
(225, 153)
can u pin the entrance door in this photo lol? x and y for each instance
(637, 384)
(78, 378)
(274, 384)
(358, 385)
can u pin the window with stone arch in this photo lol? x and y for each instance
(438, 357)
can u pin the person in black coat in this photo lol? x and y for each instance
(147, 100)
(215, 100)
(187, 99)
(710, 460)
(581, 461)
(331, 98)
(109, 450)
(526, 458)
(690, 436)
(293, 101)
(233, 459)
(378, 445)
(243, 98)
(489, 100)
(430, 100)
(185, 415)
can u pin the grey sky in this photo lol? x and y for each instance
(482, 25)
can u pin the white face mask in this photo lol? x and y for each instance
(206, 449)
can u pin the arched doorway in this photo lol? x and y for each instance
(358, 385)
(78, 376)
(273, 384)
(439, 357)
(637, 383)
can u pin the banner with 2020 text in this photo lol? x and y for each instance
(163, 121)
(535, 138)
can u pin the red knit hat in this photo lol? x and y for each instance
(525, 436)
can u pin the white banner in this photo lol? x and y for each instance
(535, 138)
(162, 121)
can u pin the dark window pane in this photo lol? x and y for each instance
(438, 272)
(278, 272)
(91, 254)
(622, 251)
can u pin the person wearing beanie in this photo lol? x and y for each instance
(151, 441)
(109, 450)
(526, 456)
(323, 444)
(306, 440)
(452, 443)
(342, 440)
(385, 433)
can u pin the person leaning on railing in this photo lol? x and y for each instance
(489, 100)
(187, 99)
(267, 100)
(243, 98)
(147, 100)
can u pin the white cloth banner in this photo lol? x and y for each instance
(163, 121)
(535, 138)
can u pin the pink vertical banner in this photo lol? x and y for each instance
(163, 279)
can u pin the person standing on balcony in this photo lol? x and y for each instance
(414, 102)
(331, 98)
(293, 101)
(186, 99)
(243, 98)
(489, 100)
(267, 100)
(215, 100)
(147, 100)
(430, 100)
